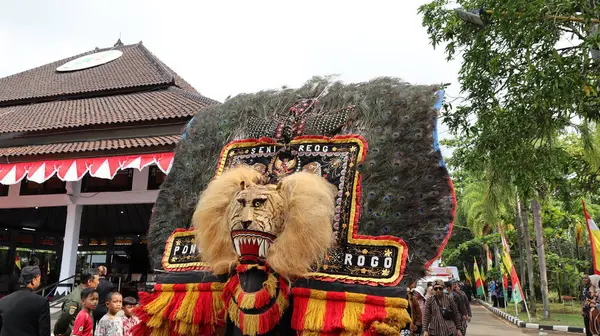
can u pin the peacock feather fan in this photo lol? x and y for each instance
(406, 189)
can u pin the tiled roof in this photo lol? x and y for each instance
(142, 106)
(88, 146)
(137, 67)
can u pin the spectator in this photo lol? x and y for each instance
(415, 312)
(429, 292)
(110, 324)
(23, 312)
(419, 294)
(468, 290)
(500, 296)
(441, 316)
(492, 289)
(84, 326)
(589, 282)
(72, 305)
(463, 304)
(104, 288)
(129, 320)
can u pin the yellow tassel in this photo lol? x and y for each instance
(157, 307)
(352, 313)
(162, 331)
(218, 303)
(396, 302)
(195, 330)
(185, 314)
(186, 310)
(251, 324)
(234, 314)
(161, 302)
(315, 311)
(393, 323)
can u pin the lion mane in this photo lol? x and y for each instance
(308, 210)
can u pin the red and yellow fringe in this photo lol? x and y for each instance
(180, 309)
(256, 324)
(318, 312)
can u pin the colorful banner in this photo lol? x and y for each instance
(483, 278)
(490, 263)
(467, 275)
(594, 234)
(504, 272)
(517, 290)
(478, 280)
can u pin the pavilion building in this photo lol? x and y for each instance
(85, 143)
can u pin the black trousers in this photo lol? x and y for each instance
(586, 322)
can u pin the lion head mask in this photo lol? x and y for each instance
(288, 224)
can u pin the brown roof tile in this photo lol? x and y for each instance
(137, 67)
(88, 146)
(142, 106)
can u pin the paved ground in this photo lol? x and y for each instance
(485, 323)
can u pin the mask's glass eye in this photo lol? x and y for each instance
(258, 202)
(242, 202)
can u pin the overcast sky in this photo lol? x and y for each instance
(224, 48)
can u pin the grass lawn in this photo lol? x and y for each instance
(559, 315)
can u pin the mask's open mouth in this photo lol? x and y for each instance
(252, 245)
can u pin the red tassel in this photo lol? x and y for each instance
(284, 287)
(140, 329)
(374, 311)
(262, 299)
(203, 308)
(229, 289)
(142, 315)
(268, 319)
(334, 311)
(173, 327)
(175, 303)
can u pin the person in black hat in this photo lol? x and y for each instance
(23, 312)
(104, 288)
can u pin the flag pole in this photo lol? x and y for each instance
(527, 310)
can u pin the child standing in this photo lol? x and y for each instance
(84, 324)
(110, 324)
(129, 320)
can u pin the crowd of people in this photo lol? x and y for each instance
(442, 308)
(94, 308)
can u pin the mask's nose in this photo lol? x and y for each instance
(246, 224)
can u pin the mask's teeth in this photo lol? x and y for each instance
(261, 249)
(236, 242)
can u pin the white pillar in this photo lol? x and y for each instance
(140, 179)
(14, 190)
(71, 239)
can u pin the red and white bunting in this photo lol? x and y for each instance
(75, 169)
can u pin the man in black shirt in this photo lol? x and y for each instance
(104, 288)
(23, 312)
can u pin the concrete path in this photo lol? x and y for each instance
(485, 323)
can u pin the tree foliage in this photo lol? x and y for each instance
(522, 88)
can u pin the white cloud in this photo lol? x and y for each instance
(227, 47)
